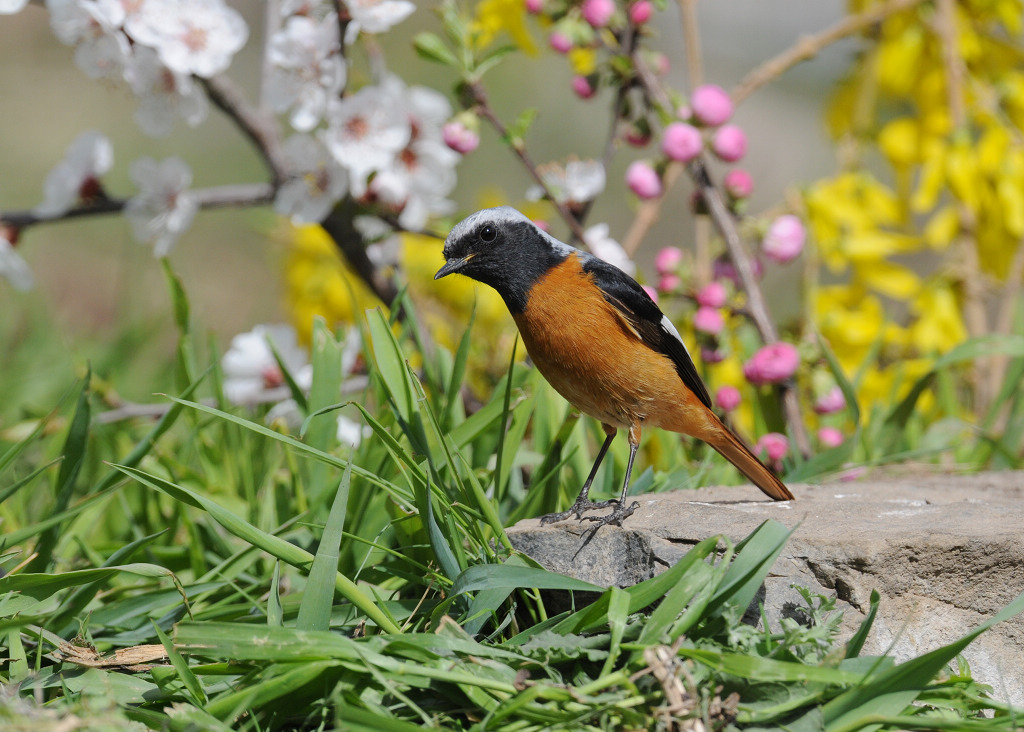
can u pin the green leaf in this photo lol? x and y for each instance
(505, 576)
(518, 129)
(73, 457)
(41, 586)
(429, 46)
(318, 598)
(189, 679)
(275, 613)
(856, 643)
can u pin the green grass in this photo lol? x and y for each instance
(296, 584)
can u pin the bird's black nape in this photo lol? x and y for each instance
(502, 248)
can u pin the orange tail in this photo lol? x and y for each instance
(730, 447)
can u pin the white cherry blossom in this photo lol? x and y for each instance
(13, 268)
(306, 69)
(365, 132)
(191, 36)
(252, 374)
(575, 182)
(77, 175)
(93, 27)
(602, 246)
(377, 16)
(10, 7)
(317, 181)
(164, 95)
(163, 209)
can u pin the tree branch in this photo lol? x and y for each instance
(810, 46)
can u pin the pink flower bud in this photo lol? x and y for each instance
(772, 364)
(708, 320)
(638, 134)
(738, 183)
(712, 295)
(640, 12)
(460, 138)
(785, 239)
(711, 105)
(711, 355)
(560, 42)
(729, 143)
(831, 402)
(582, 86)
(643, 180)
(773, 446)
(669, 283)
(727, 398)
(667, 260)
(830, 437)
(534, 6)
(660, 63)
(597, 12)
(542, 224)
(651, 292)
(682, 142)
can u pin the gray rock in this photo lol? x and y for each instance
(945, 552)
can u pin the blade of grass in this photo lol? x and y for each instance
(318, 598)
(192, 684)
(73, 457)
(273, 545)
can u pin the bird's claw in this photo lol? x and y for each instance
(614, 518)
(579, 507)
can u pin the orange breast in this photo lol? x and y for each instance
(591, 356)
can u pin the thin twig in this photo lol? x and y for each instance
(259, 127)
(810, 46)
(755, 299)
(340, 226)
(691, 42)
(229, 196)
(479, 96)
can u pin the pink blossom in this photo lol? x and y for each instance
(460, 138)
(712, 295)
(669, 283)
(661, 63)
(729, 143)
(772, 364)
(597, 12)
(830, 437)
(728, 398)
(534, 6)
(708, 320)
(711, 105)
(560, 42)
(651, 292)
(582, 86)
(668, 259)
(738, 183)
(773, 446)
(542, 224)
(682, 142)
(643, 180)
(785, 239)
(640, 12)
(853, 474)
(831, 402)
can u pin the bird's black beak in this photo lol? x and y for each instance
(453, 265)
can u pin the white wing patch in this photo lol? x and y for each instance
(668, 327)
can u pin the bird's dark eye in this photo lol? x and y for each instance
(488, 233)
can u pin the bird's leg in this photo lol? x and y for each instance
(583, 502)
(621, 509)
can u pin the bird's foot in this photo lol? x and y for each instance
(582, 505)
(577, 509)
(614, 518)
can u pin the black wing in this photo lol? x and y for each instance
(641, 312)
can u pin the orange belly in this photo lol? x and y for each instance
(591, 356)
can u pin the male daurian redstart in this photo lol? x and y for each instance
(599, 339)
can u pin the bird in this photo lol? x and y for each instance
(600, 340)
